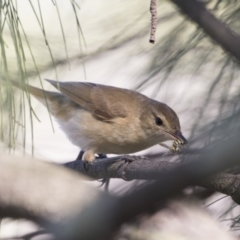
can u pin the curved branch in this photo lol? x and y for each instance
(149, 169)
(216, 29)
(141, 168)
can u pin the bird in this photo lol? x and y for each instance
(102, 119)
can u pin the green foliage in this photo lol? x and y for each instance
(18, 62)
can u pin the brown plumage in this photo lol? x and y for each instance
(104, 119)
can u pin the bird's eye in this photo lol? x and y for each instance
(158, 121)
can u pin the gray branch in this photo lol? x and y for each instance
(152, 169)
(216, 29)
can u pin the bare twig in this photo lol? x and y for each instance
(153, 10)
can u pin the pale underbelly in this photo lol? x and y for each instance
(108, 145)
(88, 133)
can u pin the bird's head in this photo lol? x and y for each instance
(161, 121)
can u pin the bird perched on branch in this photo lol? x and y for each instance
(101, 119)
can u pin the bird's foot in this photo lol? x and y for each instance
(127, 159)
(101, 156)
(105, 181)
(88, 157)
(87, 165)
(80, 155)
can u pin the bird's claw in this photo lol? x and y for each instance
(127, 159)
(104, 182)
(87, 165)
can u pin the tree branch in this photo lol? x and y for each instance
(149, 169)
(216, 29)
(58, 199)
(54, 197)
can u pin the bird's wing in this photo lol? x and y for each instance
(94, 98)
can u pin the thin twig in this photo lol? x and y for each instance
(215, 28)
(153, 10)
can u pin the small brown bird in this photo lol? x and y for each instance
(101, 119)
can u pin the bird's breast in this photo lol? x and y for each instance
(121, 136)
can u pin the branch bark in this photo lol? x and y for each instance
(216, 29)
(149, 169)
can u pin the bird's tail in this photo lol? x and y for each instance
(36, 92)
(54, 101)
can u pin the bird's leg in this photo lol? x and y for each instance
(101, 156)
(105, 181)
(80, 155)
(88, 158)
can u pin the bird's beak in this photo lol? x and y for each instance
(178, 135)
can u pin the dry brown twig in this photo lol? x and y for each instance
(153, 10)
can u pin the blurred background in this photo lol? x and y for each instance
(107, 42)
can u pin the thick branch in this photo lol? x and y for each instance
(54, 197)
(217, 30)
(149, 169)
(144, 169)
